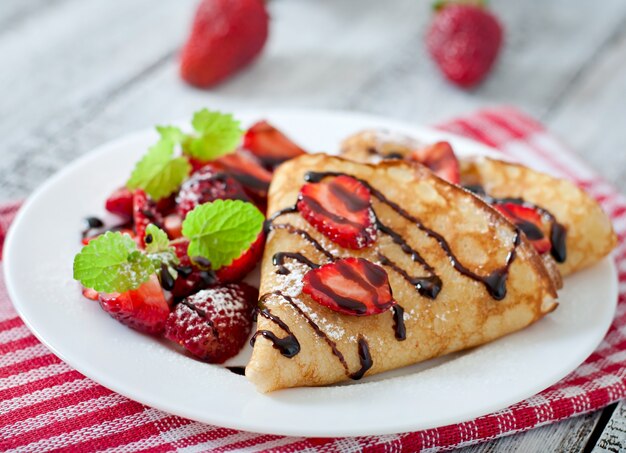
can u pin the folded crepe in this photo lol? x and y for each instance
(461, 276)
(581, 233)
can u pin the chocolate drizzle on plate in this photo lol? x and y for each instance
(558, 232)
(240, 370)
(94, 226)
(494, 283)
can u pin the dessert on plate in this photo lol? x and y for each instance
(373, 267)
(389, 255)
(572, 228)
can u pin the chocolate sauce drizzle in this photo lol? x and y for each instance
(365, 358)
(288, 346)
(304, 235)
(95, 226)
(558, 232)
(494, 283)
(240, 370)
(203, 314)
(398, 323)
(279, 260)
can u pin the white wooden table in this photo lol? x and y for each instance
(77, 73)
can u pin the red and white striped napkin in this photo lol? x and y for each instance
(45, 405)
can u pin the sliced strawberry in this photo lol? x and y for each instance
(173, 225)
(191, 278)
(144, 213)
(215, 323)
(120, 203)
(340, 209)
(207, 185)
(270, 145)
(440, 158)
(241, 266)
(91, 294)
(353, 286)
(529, 221)
(166, 205)
(144, 309)
(249, 172)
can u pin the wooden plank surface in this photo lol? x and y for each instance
(76, 74)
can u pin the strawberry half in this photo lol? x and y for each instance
(215, 323)
(339, 208)
(240, 267)
(144, 213)
(270, 145)
(144, 309)
(529, 221)
(353, 286)
(440, 159)
(207, 185)
(120, 203)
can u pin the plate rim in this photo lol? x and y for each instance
(94, 153)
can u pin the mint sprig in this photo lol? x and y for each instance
(159, 173)
(159, 250)
(112, 263)
(222, 230)
(217, 134)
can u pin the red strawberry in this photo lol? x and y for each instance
(270, 145)
(464, 40)
(207, 185)
(215, 323)
(240, 267)
(340, 209)
(226, 36)
(144, 213)
(353, 286)
(144, 309)
(529, 221)
(120, 202)
(191, 278)
(440, 158)
(248, 171)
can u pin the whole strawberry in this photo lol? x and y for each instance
(464, 40)
(226, 36)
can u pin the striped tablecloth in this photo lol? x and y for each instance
(45, 405)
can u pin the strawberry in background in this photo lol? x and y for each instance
(226, 36)
(464, 39)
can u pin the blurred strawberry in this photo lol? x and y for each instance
(464, 40)
(226, 35)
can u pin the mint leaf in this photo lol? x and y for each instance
(159, 250)
(156, 240)
(158, 172)
(218, 134)
(171, 133)
(222, 230)
(111, 263)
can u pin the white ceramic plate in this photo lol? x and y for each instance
(38, 265)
